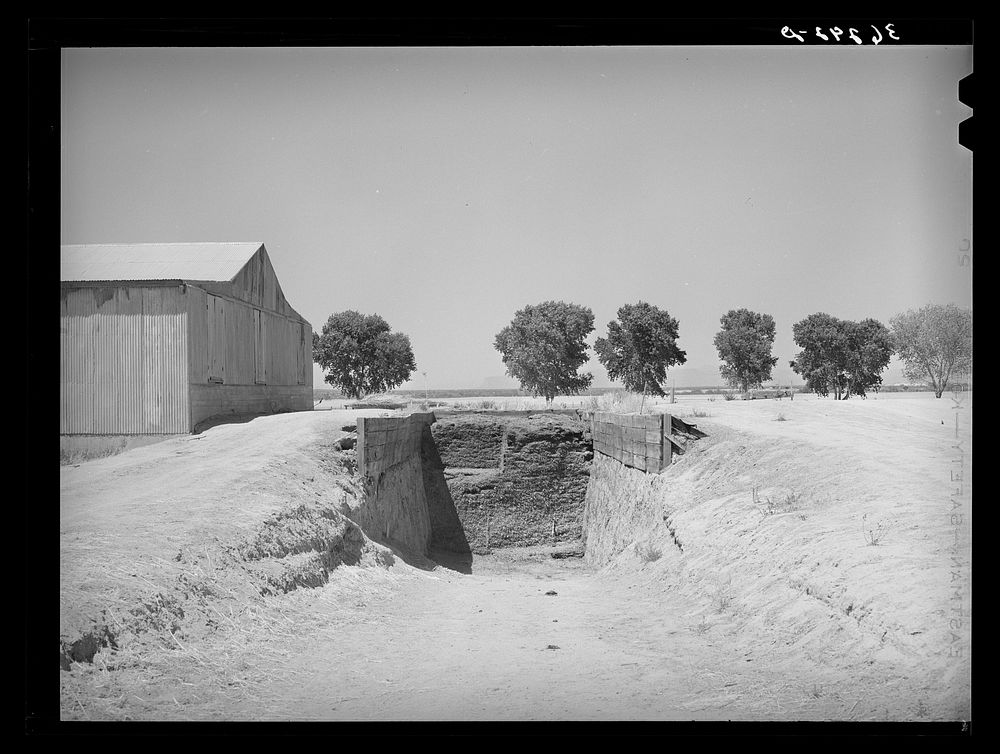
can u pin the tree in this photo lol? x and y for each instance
(544, 345)
(820, 338)
(361, 354)
(640, 347)
(934, 342)
(840, 356)
(869, 349)
(744, 345)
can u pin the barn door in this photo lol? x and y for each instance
(260, 348)
(216, 340)
(303, 362)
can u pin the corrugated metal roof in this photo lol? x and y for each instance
(155, 261)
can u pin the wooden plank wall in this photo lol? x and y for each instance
(238, 344)
(386, 442)
(282, 348)
(258, 285)
(633, 439)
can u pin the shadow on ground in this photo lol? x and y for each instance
(215, 421)
(453, 561)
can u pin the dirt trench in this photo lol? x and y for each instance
(644, 628)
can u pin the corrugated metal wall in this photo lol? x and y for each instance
(123, 361)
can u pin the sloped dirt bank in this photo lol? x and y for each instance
(830, 535)
(156, 544)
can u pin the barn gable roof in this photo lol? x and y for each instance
(218, 262)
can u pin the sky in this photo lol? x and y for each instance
(447, 188)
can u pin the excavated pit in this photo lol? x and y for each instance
(482, 481)
(497, 480)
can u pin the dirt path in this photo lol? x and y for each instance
(494, 645)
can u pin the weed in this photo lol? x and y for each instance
(780, 418)
(723, 595)
(768, 506)
(729, 396)
(700, 414)
(649, 553)
(702, 628)
(874, 531)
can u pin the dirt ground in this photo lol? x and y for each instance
(530, 637)
(786, 614)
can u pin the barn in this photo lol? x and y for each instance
(156, 338)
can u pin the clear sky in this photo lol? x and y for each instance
(446, 188)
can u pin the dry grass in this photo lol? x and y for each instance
(648, 552)
(723, 594)
(74, 457)
(621, 402)
(787, 502)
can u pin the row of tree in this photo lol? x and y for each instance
(545, 345)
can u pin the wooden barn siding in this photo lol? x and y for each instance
(224, 342)
(198, 342)
(123, 361)
(255, 284)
